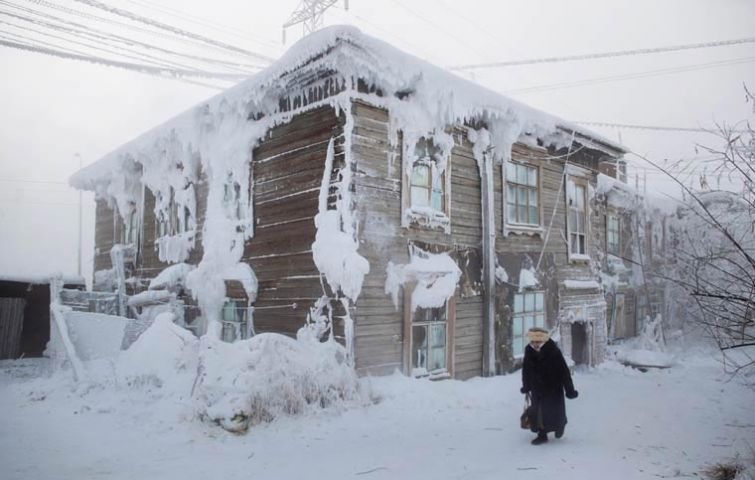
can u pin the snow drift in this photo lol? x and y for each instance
(256, 380)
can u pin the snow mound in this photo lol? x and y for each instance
(159, 355)
(270, 375)
(645, 359)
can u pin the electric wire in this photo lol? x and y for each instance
(78, 29)
(619, 53)
(178, 31)
(125, 25)
(632, 76)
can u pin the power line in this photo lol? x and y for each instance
(207, 23)
(631, 76)
(164, 72)
(125, 45)
(178, 31)
(77, 29)
(619, 53)
(649, 127)
(89, 16)
(445, 31)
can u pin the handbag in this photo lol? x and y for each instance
(525, 421)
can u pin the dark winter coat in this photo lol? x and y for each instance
(546, 377)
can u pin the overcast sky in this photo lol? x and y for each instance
(58, 112)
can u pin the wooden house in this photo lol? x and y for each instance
(425, 221)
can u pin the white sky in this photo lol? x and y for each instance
(56, 111)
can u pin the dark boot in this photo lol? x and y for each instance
(560, 432)
(541, 438)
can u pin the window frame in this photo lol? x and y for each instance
(583, 183)
(240, 325)
(169, 224)
(613, 248)
(419, 216)
(408, 341)
(516, 225)
(521, 316)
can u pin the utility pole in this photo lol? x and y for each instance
(310, 14)
(78, 270)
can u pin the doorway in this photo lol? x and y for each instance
(579, 352)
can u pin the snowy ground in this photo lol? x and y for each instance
(624, 425)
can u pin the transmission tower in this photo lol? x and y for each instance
(310, 14)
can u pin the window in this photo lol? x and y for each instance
(429, 341)
(234, 320)
(130, 233)
(576, 217)
(613, 244)
(232, 198)
(428, 186)
(522, 199)
(529, 311)
(174, 219)
(425, 184)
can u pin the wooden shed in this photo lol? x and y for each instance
(25, 314)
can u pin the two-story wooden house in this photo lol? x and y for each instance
(423, 220)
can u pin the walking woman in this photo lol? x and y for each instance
(546, 378)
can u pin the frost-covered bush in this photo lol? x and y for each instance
(269, 375)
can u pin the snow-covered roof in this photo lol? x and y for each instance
(445, 97)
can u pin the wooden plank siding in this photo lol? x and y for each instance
(380, 325)
(287, 170)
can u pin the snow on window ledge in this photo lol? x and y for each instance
(426, 217)
(519, 229)
(579, 257)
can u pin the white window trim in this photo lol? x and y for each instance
(522, 228)
(424, 217)
(584, 181)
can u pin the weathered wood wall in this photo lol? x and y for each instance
(379, 334)
(287, 171)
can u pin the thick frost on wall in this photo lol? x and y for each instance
(435, 277)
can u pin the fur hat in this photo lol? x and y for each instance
(537, 334)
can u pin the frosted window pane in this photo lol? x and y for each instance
(421, 175)
(539, 302)
(521, 174)
(510, 172)
(438, 337)
(420, 196)
(534, 220)
(518, 346)
(529, 302)
(437, 200)
(517, 330)
(518, 303)
(522, 196)
(512, 212)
